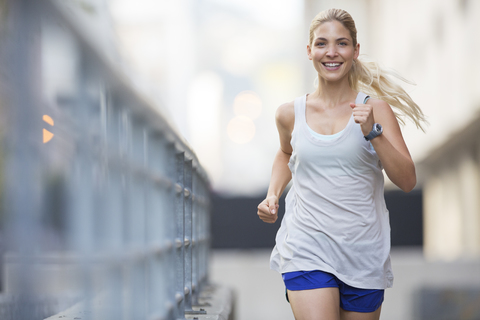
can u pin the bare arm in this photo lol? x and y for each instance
(281, 175)
(390, 146)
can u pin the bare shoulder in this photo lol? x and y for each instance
(378, 104)
(285, 119)
(285, 116)
(381, 109)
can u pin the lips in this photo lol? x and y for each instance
(332, 65)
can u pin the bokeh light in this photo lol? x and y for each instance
(241, 129)
(247, 103)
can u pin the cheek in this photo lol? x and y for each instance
(318, 54)
(349, 54)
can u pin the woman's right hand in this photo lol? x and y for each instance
(281, 174)
(268, 209)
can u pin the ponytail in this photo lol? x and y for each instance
(370, 78)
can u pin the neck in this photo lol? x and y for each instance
(333, 93)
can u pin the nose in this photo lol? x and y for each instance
(331, 51)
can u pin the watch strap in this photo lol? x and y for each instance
(374, 133)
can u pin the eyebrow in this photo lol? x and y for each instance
(339, 39)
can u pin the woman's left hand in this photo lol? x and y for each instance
(363, 114)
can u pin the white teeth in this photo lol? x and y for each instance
(332, 64)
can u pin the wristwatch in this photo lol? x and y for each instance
(376, 131)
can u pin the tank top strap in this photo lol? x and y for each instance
(362, 98)
(299, 106)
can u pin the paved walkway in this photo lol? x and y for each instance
(260, 291)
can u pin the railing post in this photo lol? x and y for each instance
(23, 164)
(180, 235)
(190, 224)
(195, 236)
(188, 235)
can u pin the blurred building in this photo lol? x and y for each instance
(95, 19)
(452, 196)
(438, 49)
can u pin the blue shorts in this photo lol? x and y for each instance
(351, 298)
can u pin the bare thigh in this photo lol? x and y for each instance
(350, 315)
(315, 304)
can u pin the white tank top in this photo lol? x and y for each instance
(335, 215)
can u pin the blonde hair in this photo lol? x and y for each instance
(369, 77)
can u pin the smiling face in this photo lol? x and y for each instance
(332, 51)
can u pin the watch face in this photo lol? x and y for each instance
(376, 131)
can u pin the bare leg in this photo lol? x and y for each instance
(315, 304)
(350, 315)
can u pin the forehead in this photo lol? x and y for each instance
(332, 29)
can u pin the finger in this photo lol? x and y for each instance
(275, 209)
(265, 216)
(269, 219)
(263, 208)
(360, 113)
(362, 109)
(272, 206)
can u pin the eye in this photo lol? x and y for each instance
(320, 44)
(343, 44)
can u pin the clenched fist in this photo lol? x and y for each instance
(363, 114)
(268, 209)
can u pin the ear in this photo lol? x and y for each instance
(357, 51)
(309, 52)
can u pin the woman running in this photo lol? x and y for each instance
(333, 245)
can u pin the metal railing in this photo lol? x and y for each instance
(108, 215)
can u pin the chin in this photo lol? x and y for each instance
(333, 78)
